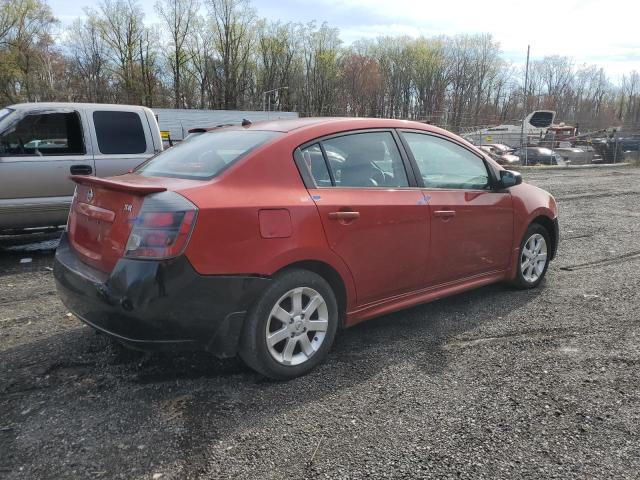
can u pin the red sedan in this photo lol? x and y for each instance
(264, 240)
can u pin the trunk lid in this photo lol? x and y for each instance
(104, 211)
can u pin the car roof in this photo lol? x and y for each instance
(338, 124)
(73, 105)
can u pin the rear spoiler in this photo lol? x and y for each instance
(116, 185)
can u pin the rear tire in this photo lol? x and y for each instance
(533, 259)
(291, 327)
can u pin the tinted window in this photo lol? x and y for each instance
(119, 132)
(367, 159)
(206, 155)
(541, 119)
(443, 164)
(44, 134)
(313, 161)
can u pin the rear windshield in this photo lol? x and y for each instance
(205, 156)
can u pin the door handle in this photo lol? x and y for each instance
(81, 170)
(344, 215)
(445, 213)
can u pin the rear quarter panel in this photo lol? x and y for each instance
(227, 239)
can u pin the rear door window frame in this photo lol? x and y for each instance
(145, 133)
(309, 181)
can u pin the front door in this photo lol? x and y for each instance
(38, 153)
(471, 224)
(373, 218)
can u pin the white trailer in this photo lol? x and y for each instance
(535, 127)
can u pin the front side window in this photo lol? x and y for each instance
(119, 132)
(44, 134)
(206, 155)
(443, 164)
(369, 159)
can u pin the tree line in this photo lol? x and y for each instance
(221, 54)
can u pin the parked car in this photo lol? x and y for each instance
(42, 144)
(501, 147)
(503, 157)
(264, 240)
(539, 156)
(575, 155)
(630, 143)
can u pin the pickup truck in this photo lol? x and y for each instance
(42, 144)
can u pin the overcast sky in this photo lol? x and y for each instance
(602, 32)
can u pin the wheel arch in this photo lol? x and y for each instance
(551, 227)
(333, 278)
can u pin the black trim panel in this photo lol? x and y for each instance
(157, 304)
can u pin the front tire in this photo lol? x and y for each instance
(533, 259)
(291, 327)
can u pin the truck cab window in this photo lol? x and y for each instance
(119, 132)
(44, 134)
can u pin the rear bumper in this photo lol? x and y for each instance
(157, 304)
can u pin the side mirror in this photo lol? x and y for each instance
(509, 178)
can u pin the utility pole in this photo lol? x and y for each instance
(524, 106)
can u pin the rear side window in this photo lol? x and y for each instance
(368, 159)
(44, 134)
(206, 155)
(119, 132)
(312, 160)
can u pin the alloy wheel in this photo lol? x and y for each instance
(533, 258)
(297, 326)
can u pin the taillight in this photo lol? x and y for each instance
(162, 228)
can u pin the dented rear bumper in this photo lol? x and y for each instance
(150, 304)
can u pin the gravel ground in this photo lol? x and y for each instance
(494, 383)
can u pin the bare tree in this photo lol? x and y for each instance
(361, 83)
(228, 57)
(121, 26)
(88, 58)
(201, 60)
(321, 49)
(179, 17)
(233, 22)
(276, 55)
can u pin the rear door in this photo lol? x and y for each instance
(121, 140)
(373, 214)
(38, 153)
(471, 224)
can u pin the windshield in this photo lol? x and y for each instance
(206, 155)
(4, 112)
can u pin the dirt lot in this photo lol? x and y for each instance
(494, 383)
